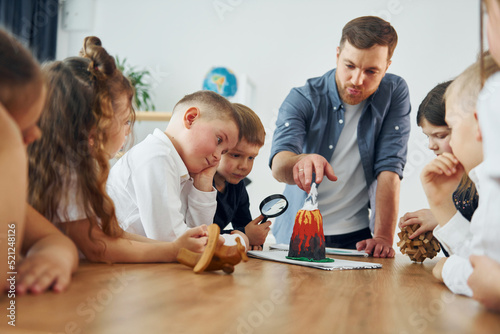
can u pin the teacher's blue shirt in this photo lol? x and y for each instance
(310, 120)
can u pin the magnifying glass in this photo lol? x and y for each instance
(273, 206)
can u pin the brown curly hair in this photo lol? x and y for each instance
(80, 108)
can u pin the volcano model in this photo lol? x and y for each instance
(308, 239)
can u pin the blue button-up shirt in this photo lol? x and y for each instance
(308, 122)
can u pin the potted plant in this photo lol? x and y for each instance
(140, 80)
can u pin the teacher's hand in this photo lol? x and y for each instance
(312, 163)
(377, 247)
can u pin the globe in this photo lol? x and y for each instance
(221, 80)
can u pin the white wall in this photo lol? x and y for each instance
(279, 44)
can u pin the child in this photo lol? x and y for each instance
(86, 121)
(50, 257)
(430, 118)
(235, 165)
(441, 177)
(163, 185)
(485, 279)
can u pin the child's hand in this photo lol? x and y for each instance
(441, 177)
(485, 281)
(194, 239)
(256, 232)
(423, 217)
(437, 271)
(221, 240)
(203, 180)
(245, 238)
(42, 271)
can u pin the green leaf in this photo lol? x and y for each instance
(140, 80)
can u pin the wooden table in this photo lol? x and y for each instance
(259, 297)
(162, 116)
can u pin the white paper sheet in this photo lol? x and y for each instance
(328, 250)
(280, 256)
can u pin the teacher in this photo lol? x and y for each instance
(352, 126)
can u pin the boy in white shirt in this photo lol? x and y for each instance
(163, 185)
(441, 177)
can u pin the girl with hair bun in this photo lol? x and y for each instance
(49, 256)
(87, 118)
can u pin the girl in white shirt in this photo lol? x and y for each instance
(485, 278)
(86, 121)
(441, 176)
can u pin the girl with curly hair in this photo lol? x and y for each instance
(86, 121)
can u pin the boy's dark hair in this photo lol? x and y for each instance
(252, 129)
(367, 31)
(213, 106)
(432, 107)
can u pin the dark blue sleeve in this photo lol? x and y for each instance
(224, 211)
(242, 214)
(392, 144)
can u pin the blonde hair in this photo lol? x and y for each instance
(482, 12)
(464, 90)
(252, 129)
(463, 93)
(213, 106)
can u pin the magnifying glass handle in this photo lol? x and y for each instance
(263, 221)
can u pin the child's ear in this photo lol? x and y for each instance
(389, 62)
(479, 136)
(191, 115)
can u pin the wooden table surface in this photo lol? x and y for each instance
(259, 297)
